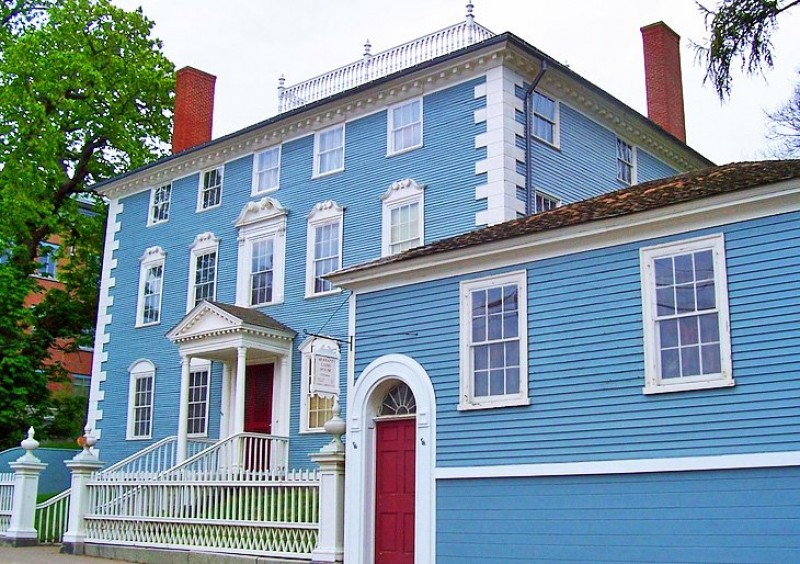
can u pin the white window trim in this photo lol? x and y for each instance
(153, 256)
(221, 170)
(203, 244)
(198, 365)
(316, 172)
(150, 221)
(262, 219)
(466, 398)
(401, 193)
(322, 214)
(390, 150)
(653, 382)
(254, 190)
(307, 347)
(548, 196)
(138, 369)
(556, 143)
(634, 159)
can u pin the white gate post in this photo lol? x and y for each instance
(21, 531)
(330, 541)
(83, 465)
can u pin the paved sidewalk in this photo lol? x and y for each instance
(44, 555)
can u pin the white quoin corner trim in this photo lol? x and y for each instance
(370, 387)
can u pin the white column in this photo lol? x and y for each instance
(83, 465)
(21, 531)
(183, 410)
(241, 367)
(225, 403)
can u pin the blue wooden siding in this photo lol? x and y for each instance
(446, 164)
(585, 162)
(732, 516)
(586, 361)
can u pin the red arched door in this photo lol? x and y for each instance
(394, 490)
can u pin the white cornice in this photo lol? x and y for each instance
(742, 205)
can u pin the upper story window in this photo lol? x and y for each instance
(141, 389)
(626, 171)
(403, 217)
(210, 194)
(262, 252)
(160, 199)
(48, 260)
(405, 126)
(546, 203)
(151, 279)
(320, 382)
(329, 151)
(324, 251)
(266, 170)
(199, 383)
(545, 119)
(685, 313)
(494, 342)
(203, 269)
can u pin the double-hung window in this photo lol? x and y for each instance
(203, 269)
(47, 259)
(151, 282)
(626, 171)
(494, 342)
(210, 194)
(403, 217)
(685, 314)
(329, 151)
(405, 126)
(324, 253)
(140, 400)
(199, 380)
(266, 170)
(159, 204)
(544, 122)
(262, 250)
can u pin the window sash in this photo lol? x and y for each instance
(404, 227)
(624, 162)
(211, 192)
(162, 197)
(197, 422)
(326, 255)
(205, 276)
(267, 169)
(262, 270)
(330, 150)
(544, 117)
(151, 294)
(142, 405)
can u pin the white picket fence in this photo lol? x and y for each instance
(6, 499)
(382, 64)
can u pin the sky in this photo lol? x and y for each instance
(248, 44)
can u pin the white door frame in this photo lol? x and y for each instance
(369, 390)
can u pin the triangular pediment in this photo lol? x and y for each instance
(204, 319)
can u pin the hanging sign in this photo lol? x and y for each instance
(324, 373)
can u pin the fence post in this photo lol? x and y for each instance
(330, 541)
(21, 531)
(83, 465)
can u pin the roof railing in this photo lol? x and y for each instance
(372, 67)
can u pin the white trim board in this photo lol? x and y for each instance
(683, 464)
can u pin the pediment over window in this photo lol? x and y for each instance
(211, 319)
(263, 210)
(152, 254)
(402, 189)
(325, 210)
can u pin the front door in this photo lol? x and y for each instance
(394, 490)
(258, 398)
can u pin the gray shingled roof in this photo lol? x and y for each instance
(254, 317)
(647, 196)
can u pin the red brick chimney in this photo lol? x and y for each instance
(194, 108)
(662, 69)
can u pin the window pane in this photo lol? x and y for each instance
(684, 269)
(711, 360)
(685, 298)
(663, 267)
(709, 328)
(512, 381)
(481, 357)
(688, 330)
(482, 383)
(704, 265)
(668, 333)
(705, 295)
(665, 301)
(497, 382)
(670, 363)
(690, 361)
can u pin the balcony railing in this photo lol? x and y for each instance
(382, 64)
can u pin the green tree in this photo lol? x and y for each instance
(740, 33)
(85, 94)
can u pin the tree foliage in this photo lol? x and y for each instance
(85, 94)
(740, 33)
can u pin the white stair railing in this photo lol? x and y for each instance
(51, 518)
(382, 64)
(155, 459)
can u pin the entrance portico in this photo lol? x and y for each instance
(238, 338)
